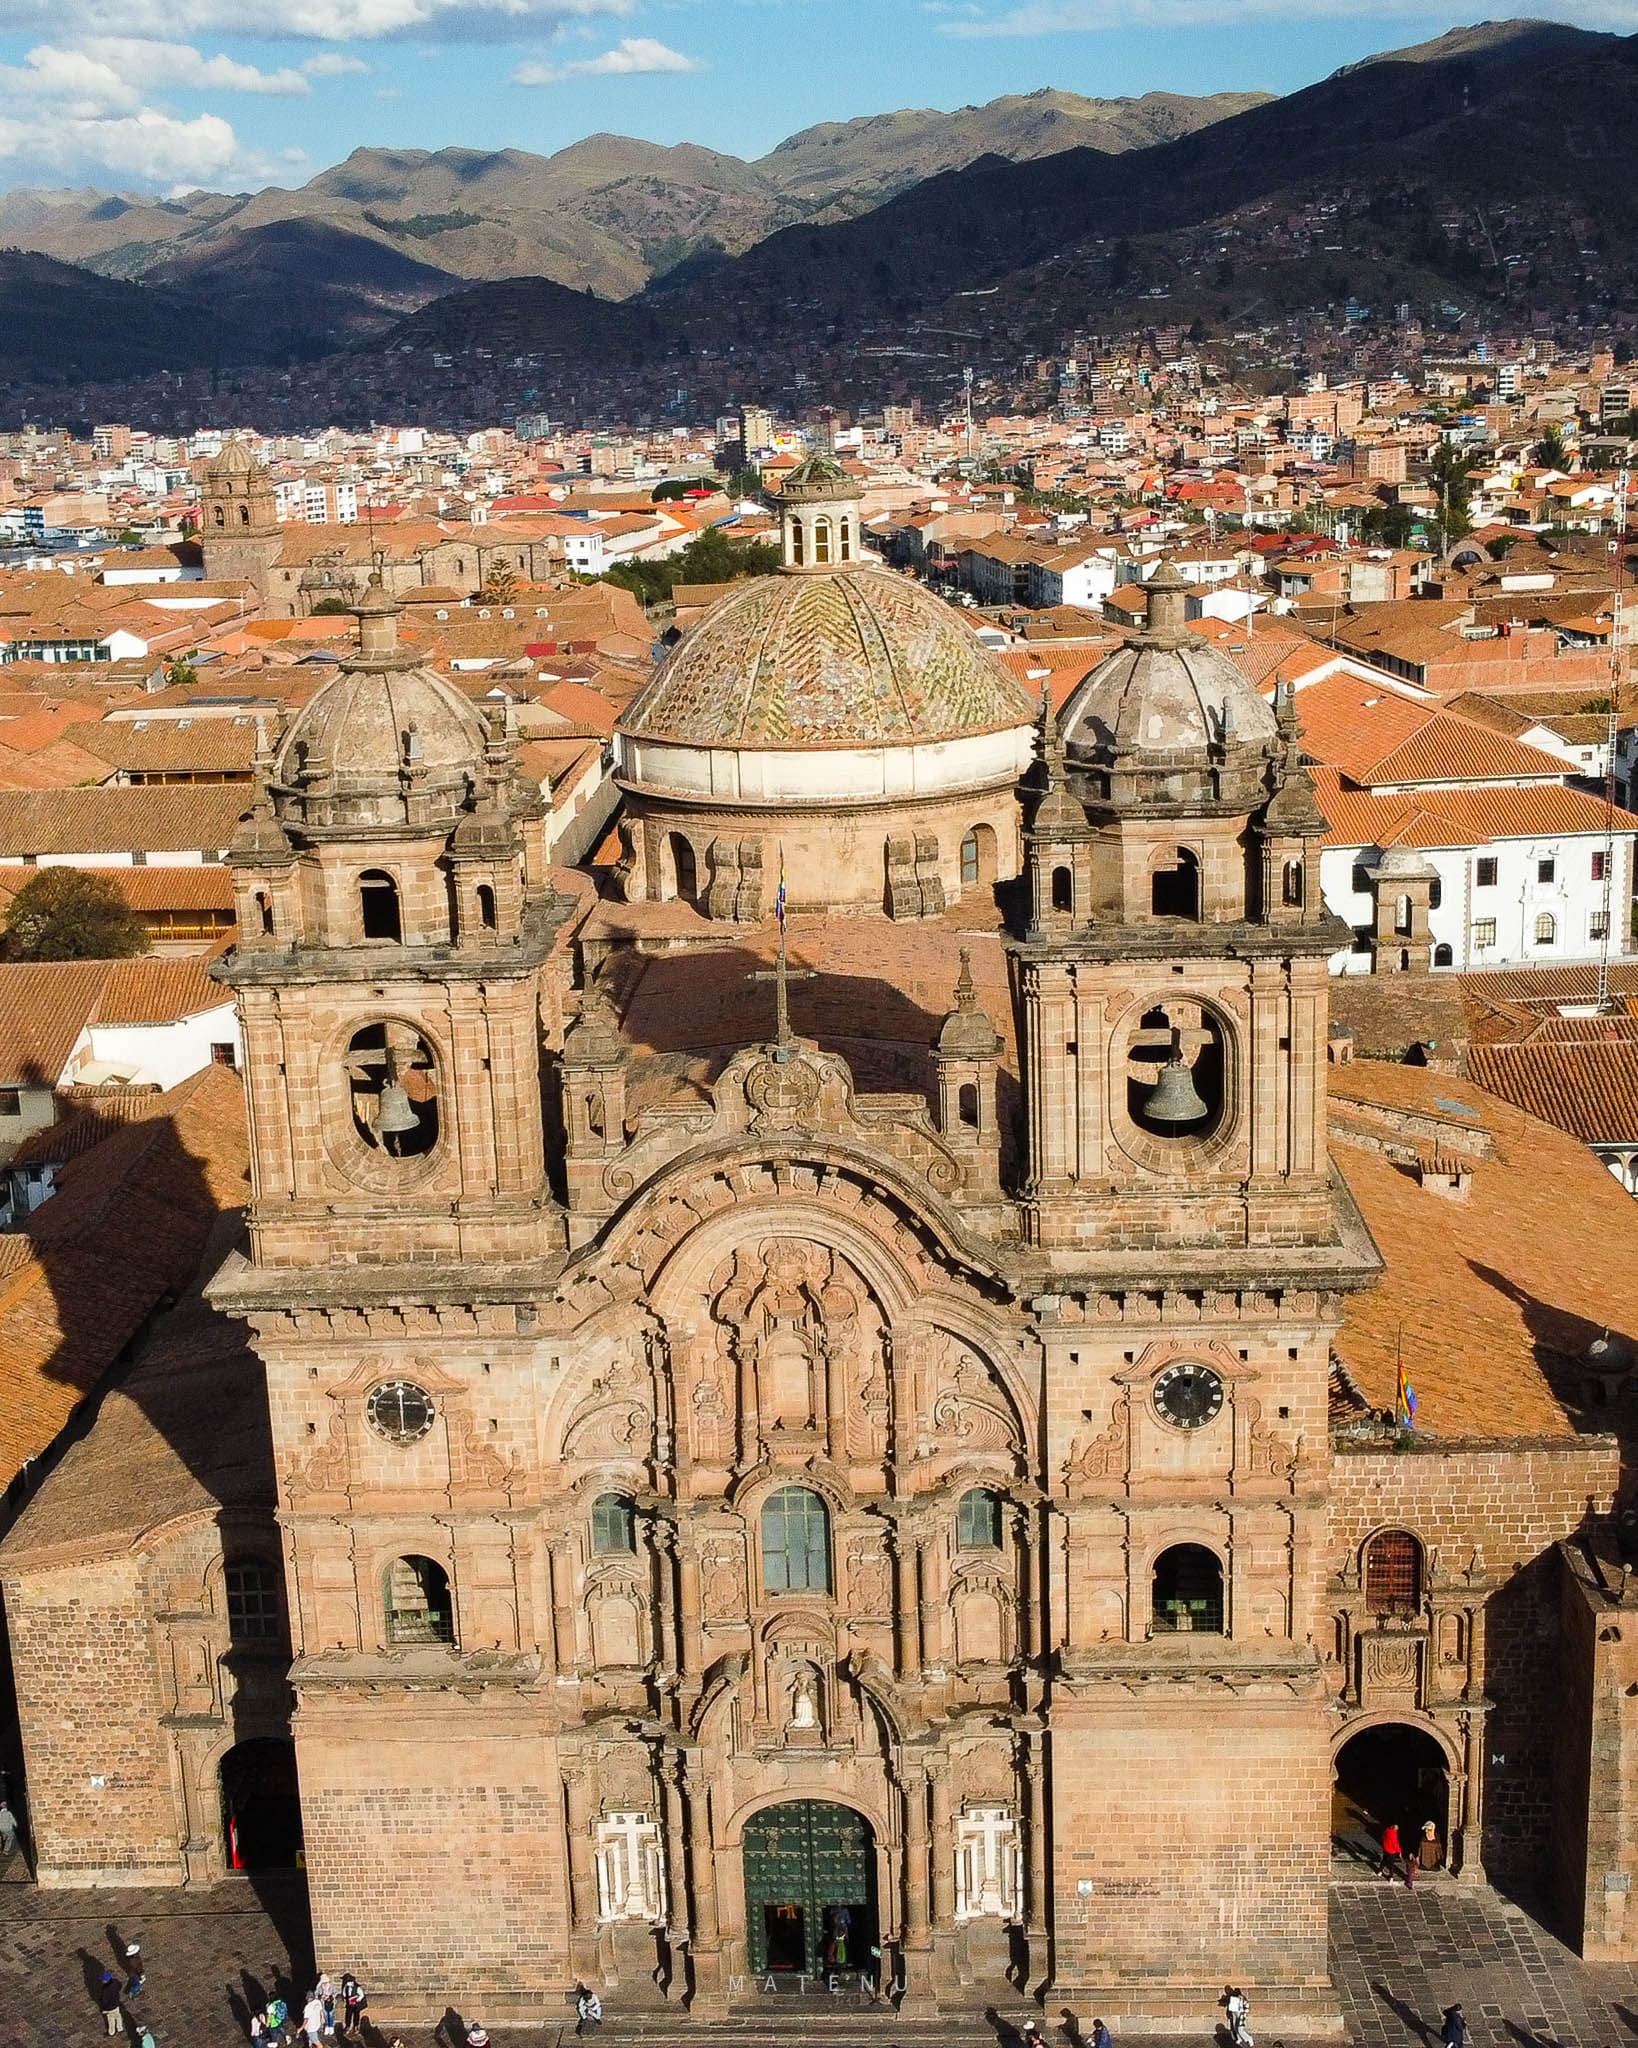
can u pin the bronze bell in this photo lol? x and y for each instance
(395, 1114)
(1174, 1099)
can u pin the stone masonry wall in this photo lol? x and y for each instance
(90, 1700)
(435, 1858)
(1200, 1825)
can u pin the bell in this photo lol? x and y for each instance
(395, 1115)
(1174, 1098)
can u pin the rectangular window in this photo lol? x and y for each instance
(11, 1101)
(1484, 931)
(1486, 876)
(1598, 925)
(252, 1603)
(1598, 865)
(1546, 870)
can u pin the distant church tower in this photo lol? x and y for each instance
(238, 519)
(1194, 1259)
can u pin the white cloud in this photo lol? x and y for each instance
(631, 57)
(329, 21)
(149, 146)
(73, 111)
(1059, 17)
(333, 64)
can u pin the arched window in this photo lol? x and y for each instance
(252, 1602)
(967, 1105)
(795, 1542)
(379, 914)
(969, 861)
(799, 542)
(244, 515)
(418, 1606)
(847, 540)
(220, 516)
(1444, 956)
(683, 867)
(1436, 893)
(1063, 890)
(486, 906)
(978, 1520)
(1291, 883)
(1393, 1573)
(1188, 1590)
(1175, 891)
(821, 541)
(264, 911)
(1546, 928)
(613, 1525)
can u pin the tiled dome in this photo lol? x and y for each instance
(863, 658)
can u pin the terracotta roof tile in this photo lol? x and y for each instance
(1589, 1090)
(165, 818)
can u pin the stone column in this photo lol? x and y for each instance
(582, 1874)
(1036, 1913)
(918, 1946)
(708, 1990)
(903, 1550)
(678, 1934)
(942, 1850)
(565, 1647)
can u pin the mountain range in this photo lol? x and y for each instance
(604, 215)
(1493, 163)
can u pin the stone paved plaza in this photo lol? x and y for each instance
(1399, 1959)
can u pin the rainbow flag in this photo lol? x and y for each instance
(1407, 1399)
(779, 899)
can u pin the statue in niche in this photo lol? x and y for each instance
(804, 1701)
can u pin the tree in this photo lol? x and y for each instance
(1549, 450)
(331, 608)
(71, 914)
(1447, 472)
(127, 537)
(673, 488)
(744, 483)
(500, 586)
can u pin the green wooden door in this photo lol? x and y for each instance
(810, 1889)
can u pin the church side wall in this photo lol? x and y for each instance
(435, 1852)
(90, 1697)
(1495, 1513)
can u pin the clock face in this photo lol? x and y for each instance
(400, 1411)
(1188, 1395)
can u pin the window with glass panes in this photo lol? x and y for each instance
(978, 1520)
(614, 1524)
(795, 1542)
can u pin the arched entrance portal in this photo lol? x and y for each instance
(1392, 1772)
(810, 1889)
(261, 1807)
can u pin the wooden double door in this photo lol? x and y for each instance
(810, 1890)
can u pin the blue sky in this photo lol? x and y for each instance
(163, 95)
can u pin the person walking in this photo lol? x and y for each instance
(1100, 2035)
(277, 2015)
(1393, 1857)
(325, 1992)
(589, 2012)
(108, 2003)
(312, 2019)
(354, 1998)
(8, 1831)
(133, 1969)
(1235, 2007)
(1453, 2034)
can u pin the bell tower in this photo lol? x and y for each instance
(239, 519)
(395, 915)
(1193, 1254)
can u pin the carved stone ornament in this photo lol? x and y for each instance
(783, 1095)
(324, 1469)
(1100, 1456)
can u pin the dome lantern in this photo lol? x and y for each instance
(818, 508)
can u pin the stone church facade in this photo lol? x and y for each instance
(766, 1529)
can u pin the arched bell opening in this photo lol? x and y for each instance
(1175, 1072)
(393, 1079)
(1174, 885)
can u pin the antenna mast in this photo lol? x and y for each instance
(1611, 730)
